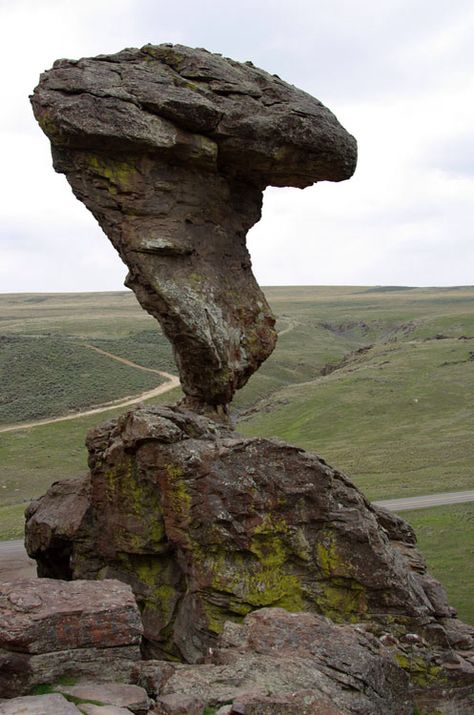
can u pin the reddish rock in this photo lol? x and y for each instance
(52, 524)
(206, 525)
(49, 628)
(90, 709)
(303, 702)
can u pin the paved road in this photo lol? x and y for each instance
(14, 562)
(409, 503)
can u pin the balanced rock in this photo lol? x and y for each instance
(51, 628)
(171, 148)
(208, 526)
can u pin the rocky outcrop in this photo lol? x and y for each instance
(86, 697)
(207, 526)
(243, 554)
(171, 148)
(287, 661)
(51, 628)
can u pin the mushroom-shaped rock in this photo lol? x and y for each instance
(171, 149)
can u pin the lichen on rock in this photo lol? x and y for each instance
(171, 148)
(207, 526)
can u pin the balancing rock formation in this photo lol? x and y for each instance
(171, 148)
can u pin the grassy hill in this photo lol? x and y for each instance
(47, 359)
(377, 380)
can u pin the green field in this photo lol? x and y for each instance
(48, 363)
(379, 381)
(394, 409)
(446, 539)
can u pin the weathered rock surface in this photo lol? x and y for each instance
(171, 148)
(51, 628)
(89, 709)
(277, 659)
(51, 704)
(208, 526)
(120, 695)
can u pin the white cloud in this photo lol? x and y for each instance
(399, 75)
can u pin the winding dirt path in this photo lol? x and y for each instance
(292, 325)
(172, 381)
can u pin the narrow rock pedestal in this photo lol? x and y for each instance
(171, 148)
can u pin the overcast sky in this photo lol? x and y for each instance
(399, 75)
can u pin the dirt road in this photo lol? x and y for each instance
(172, 382)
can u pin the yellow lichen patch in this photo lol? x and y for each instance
(215, 617)
(177, 497)
(421, 671)
(139, 506)
(155, 576)
(122, 486)
(268, 542)
(49, 127)
(272, 587)
(258, 576)
(120, 175)
(342, 600)
(329, 558)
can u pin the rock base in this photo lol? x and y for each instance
(207, 527)
(51, 629)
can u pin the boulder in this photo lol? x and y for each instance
(118, 695)
(51, 628)
(90, 709)
(293, 663)
(207, 526)
(50, 704)
(171, 148)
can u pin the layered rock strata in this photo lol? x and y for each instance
(171, 148)
(208, 526)
(51, 628)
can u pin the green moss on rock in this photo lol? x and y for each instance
(422, 672)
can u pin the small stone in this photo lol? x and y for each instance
(90, 709)
(152, 675)
(176, 704)
(25, 601)
(119, 694)
(387, 639)
(53, 704)
(237, 709)
(412, 638)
